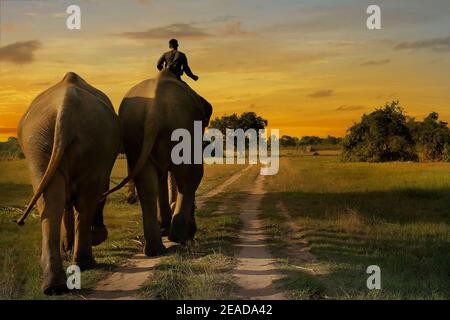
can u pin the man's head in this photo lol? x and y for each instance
(173, 44)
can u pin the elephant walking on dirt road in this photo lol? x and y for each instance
(71, 137)
(149, 113)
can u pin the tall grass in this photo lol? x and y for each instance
(395, 215)
(20, 272)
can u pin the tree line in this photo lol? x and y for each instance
(288, 141)
(10, 149)
(387, 134)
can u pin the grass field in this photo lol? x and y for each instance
(20, 273)
(202, 270)
(394, 215)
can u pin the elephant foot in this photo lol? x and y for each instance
(165, 231)
(85, 263)
(56, 290)
(55, 284)
(181, 232)
(99, 234)
(153, 251)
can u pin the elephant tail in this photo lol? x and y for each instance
(61, 139)
(151, 131)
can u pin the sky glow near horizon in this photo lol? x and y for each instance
(309, 67)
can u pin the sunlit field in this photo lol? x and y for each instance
(20, 273)
(394, 215)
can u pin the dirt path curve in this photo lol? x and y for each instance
(125, 282)
(256, 270)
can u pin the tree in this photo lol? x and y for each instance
(11, 148)
(431, 138)
(310, 140)
(382, 135)
(225, 122)
(288, 141)
(247, 120)
(250, 120)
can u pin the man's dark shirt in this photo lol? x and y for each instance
(176, 62)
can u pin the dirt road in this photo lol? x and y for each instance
(125, 282)
(256, 270)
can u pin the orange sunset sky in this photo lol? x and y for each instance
(309, 67)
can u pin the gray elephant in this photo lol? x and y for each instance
(150, 112)
(71, 137)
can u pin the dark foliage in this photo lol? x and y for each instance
(387, 134)
(288, 141)
(11, 149)
(247, 120)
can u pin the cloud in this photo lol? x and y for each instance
(60, 15)
(321, 94)
(19, 52)
(349, 108)
(437, 44)
(7, 130)
(143, 2)
(178, 30)
(252, 57)
(386, 96)
(233, 28)
(373, 63)
(9, 28)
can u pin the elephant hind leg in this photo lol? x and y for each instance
(51, 206)
(164, 210)
(183, 226)
(98, 228)
(67, 231)
(85, 205)
(147, 188)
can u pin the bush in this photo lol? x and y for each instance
(388, 135)
(382, 135)
(11, 149)
(431, 138)
(447, 153)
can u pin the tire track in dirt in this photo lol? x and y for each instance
(256, 269)
(297, 247)
(124, 283)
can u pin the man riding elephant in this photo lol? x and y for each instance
(176, 62)
(150, 112)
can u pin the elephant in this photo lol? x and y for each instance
(70, 136)
(149, 113)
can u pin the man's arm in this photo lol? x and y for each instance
(188, 70)
(160, 64)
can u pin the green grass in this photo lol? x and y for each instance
(20, 272)
(394, 215)
(202, 269)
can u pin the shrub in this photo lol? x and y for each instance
(382, 135)
(431, 138)
(11, 149)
